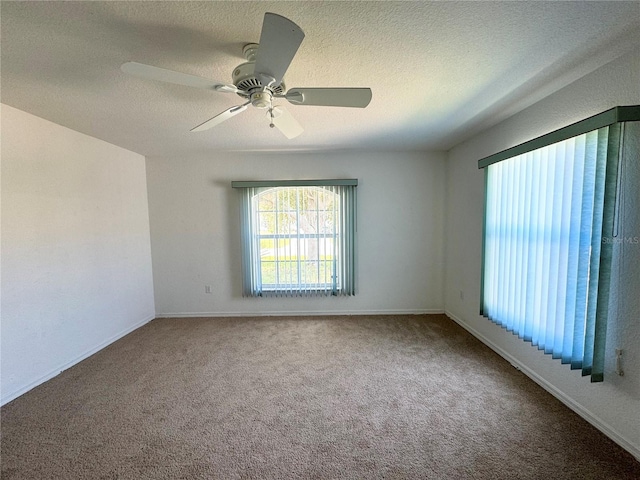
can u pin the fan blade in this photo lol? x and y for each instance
(279, 42)
(330, 97)
(163, 75)
(221, 117)
(285, 122)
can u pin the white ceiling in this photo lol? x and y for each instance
(439, 71)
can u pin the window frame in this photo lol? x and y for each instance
(344, 266)
(592, 362)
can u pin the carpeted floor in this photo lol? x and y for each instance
(366, 397)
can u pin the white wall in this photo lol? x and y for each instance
(76, 259)
(195, 232)
(613, 406)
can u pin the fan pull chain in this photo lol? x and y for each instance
(271, 114)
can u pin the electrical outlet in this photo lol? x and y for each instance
(207, 289)
(461, 295)
(619, 369)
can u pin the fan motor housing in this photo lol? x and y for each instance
(244, 78)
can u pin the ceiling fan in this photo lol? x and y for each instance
(260, 80)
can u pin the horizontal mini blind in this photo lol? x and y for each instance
(298, 238)
(546, 261)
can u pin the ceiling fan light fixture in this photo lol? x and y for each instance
(261, 99)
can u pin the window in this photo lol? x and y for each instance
(298, 238)
(550, 209)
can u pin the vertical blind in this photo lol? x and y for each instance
(298, 238)
(549, 219)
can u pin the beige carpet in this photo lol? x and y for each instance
(393, 397)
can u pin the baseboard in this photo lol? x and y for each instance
(58, 370)
(568, 401)
(301, 313)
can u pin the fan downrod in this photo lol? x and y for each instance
(245, 79)
(250, 51)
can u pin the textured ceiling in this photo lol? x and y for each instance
(439, 71)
